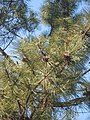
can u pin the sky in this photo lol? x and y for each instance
(36, 5)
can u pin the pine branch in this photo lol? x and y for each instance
(84, 73)
(6, 55)
(81, 75)
(72, 102)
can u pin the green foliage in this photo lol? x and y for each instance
(48, 80)
(57, 9)
(15, 16)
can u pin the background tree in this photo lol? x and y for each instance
(49, 81)
(16, 19)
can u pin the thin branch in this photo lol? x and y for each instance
(28, 98)
(8, 45)
(41, 104)
(79, 75)
(11, 31)
(32, 114)
(85, 32)
(24, 109)
(84, 73)
(52, 27)
(83, 112)
(6, 55)
(17, 35)
(7, 72)
(39, 82)
(69, 103)
(20, 107)
(29, 63)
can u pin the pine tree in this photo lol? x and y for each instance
(16, 18)
(49, 82)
